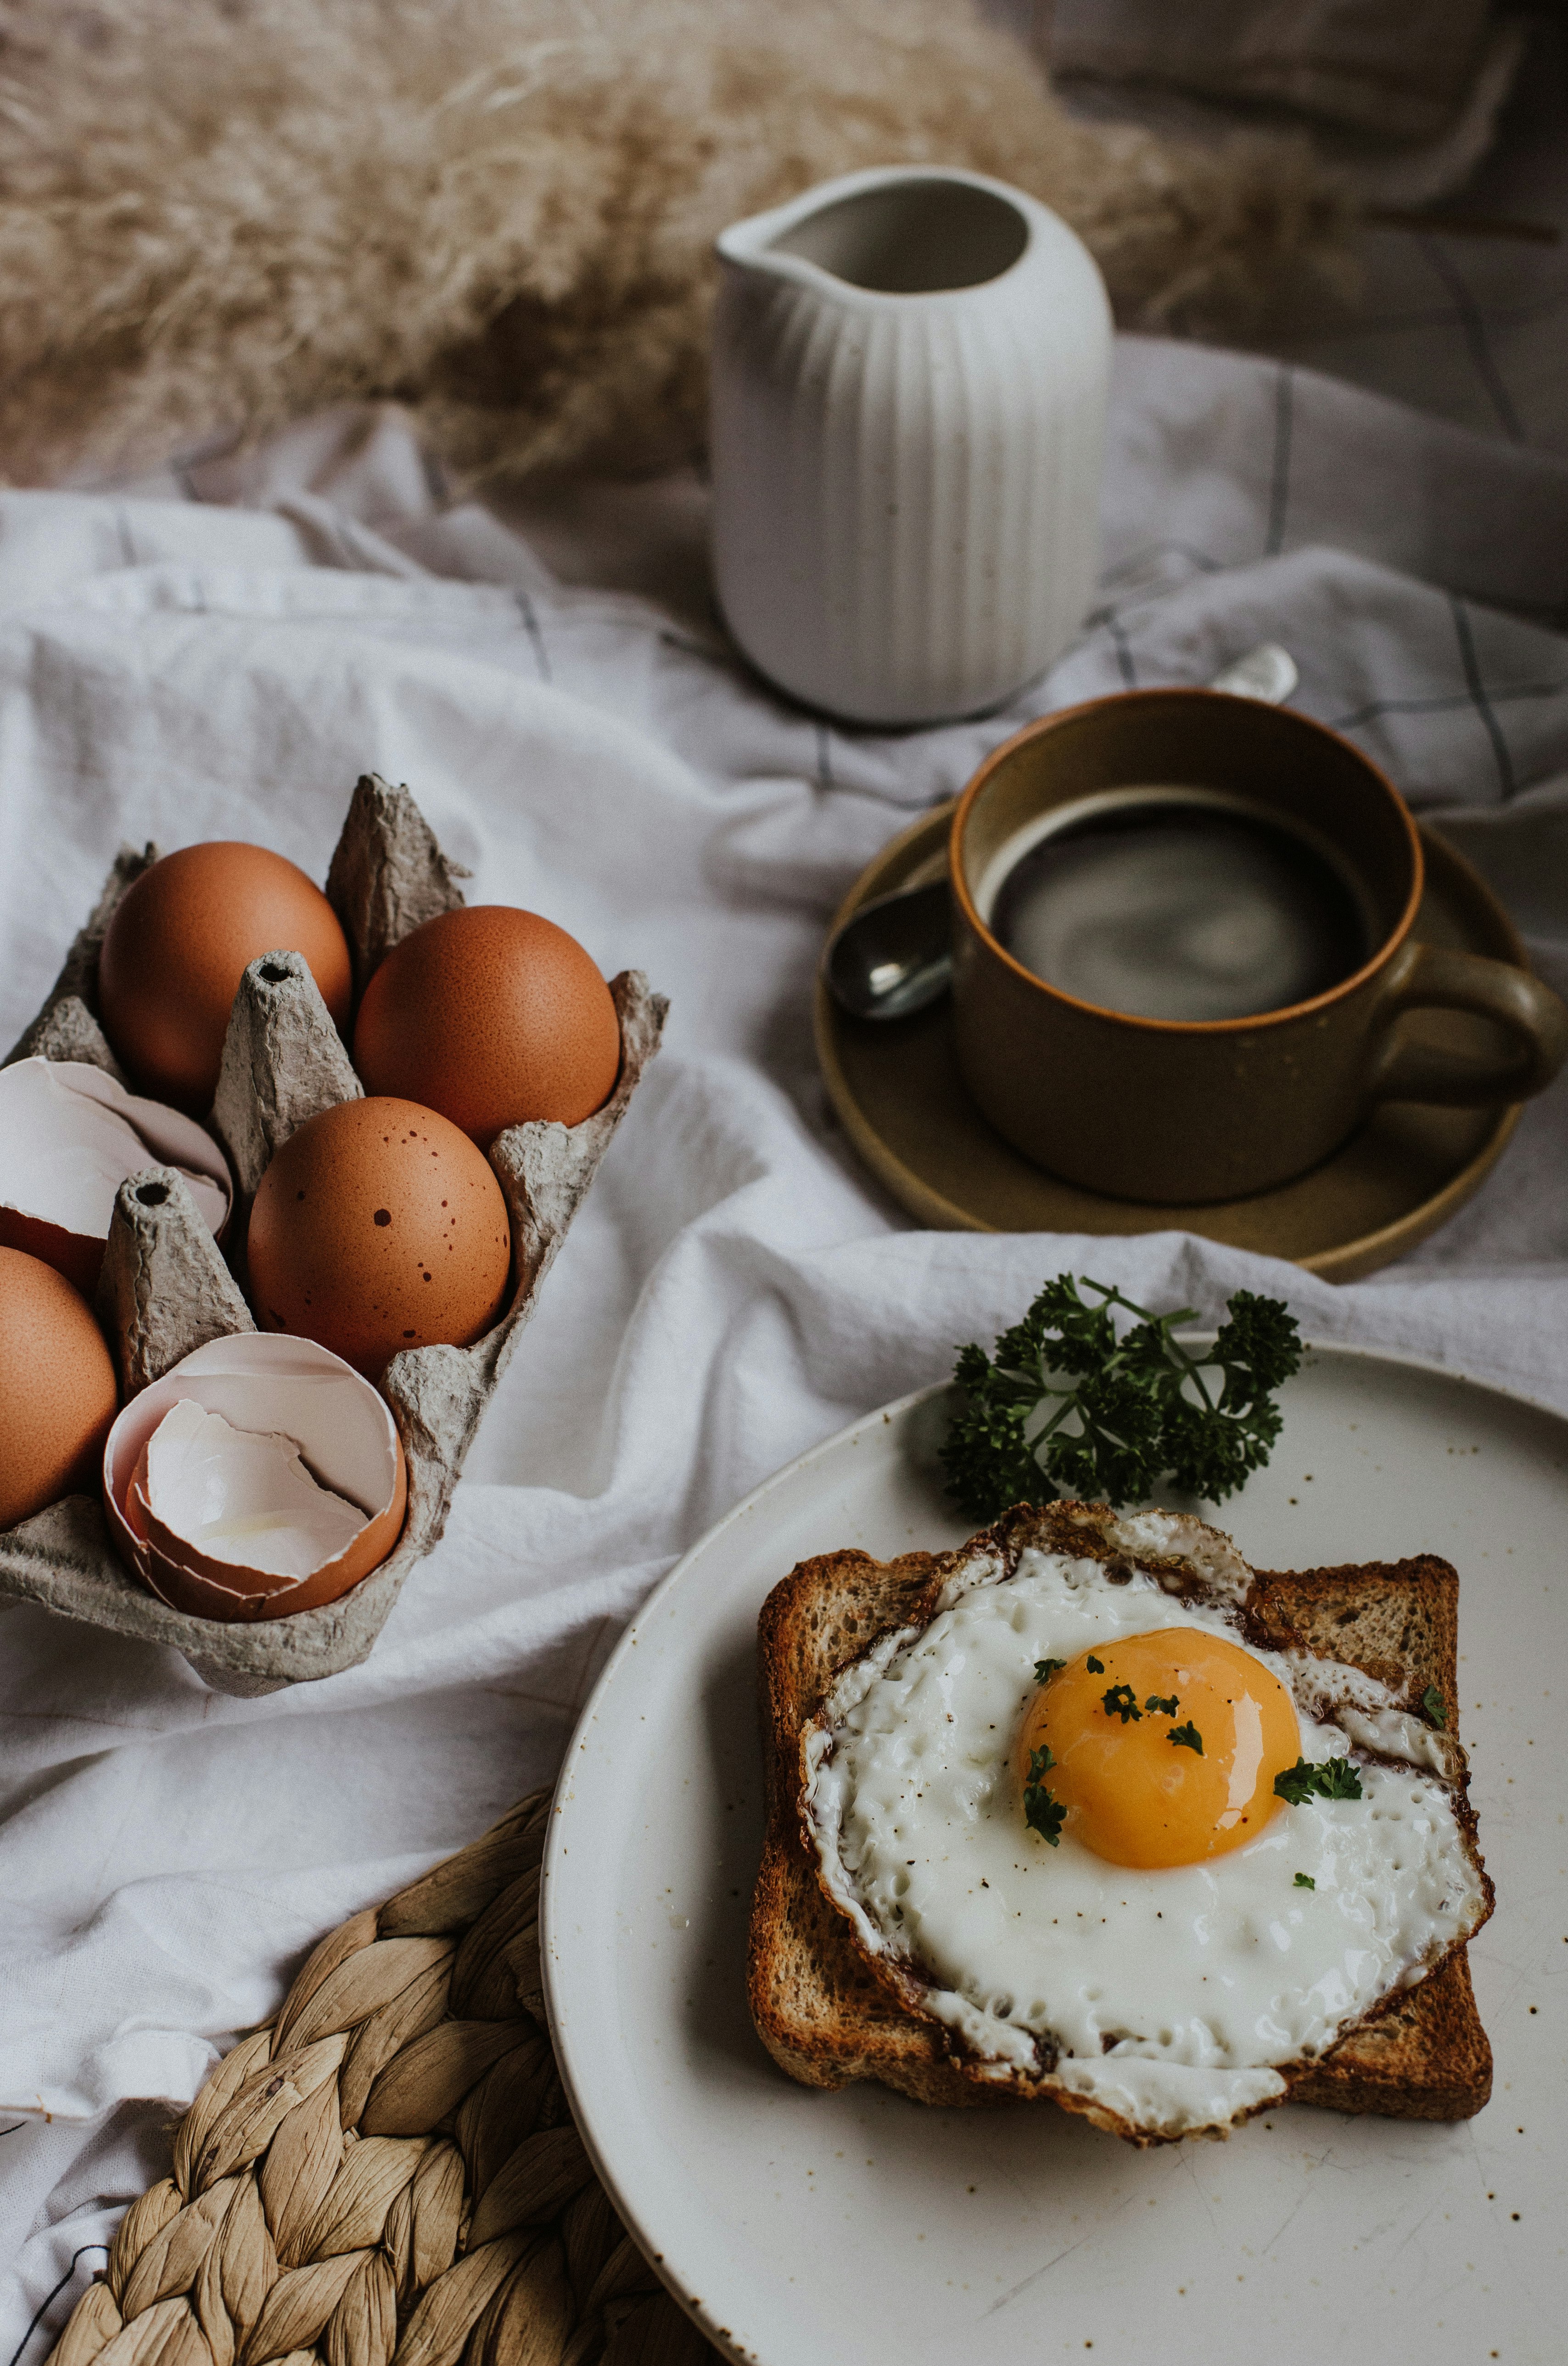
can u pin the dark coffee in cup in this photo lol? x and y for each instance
(1179, 903)
(1291, 825)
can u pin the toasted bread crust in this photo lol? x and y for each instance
(829, 2016)
(819, 2008)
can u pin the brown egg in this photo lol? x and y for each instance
(492, 1016)
(378, 1226)
(177, 947)
(58, 1394)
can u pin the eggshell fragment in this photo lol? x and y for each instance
(240, 1496)
(307, 1454)
(69, 1136)
(379, 1227)
(178, 945)
(493, 1015)
(57, 1388)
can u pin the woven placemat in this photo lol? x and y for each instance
(388, 2174)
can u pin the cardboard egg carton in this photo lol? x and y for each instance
(166, 1289)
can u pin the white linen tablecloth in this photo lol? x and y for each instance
(735, 1288)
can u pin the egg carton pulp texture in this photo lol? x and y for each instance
(166, 1290)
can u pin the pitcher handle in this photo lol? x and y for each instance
(1434, 977)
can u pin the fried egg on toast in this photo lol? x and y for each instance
(1085, 1812)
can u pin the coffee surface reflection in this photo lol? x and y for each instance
(1181, 905)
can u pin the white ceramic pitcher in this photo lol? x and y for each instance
(910, 378)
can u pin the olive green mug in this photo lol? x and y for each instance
(1185, 1110)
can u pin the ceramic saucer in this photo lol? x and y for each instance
(895, 1086)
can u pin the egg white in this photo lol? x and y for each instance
(1169, 1996)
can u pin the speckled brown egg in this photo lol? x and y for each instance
(58, 1395)
(178, 944)
(378, 1226)
(492, 1016)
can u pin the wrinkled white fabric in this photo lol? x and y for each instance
(735, 1288)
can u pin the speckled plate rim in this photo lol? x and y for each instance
(1345, 1261)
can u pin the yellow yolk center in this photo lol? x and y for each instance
(1135, 1788)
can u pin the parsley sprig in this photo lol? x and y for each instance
(1066, 1401)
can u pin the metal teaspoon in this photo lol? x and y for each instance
(894, 955)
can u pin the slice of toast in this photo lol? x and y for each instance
(821, 2009)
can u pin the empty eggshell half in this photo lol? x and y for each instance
(69, 1136)
(260, 1476)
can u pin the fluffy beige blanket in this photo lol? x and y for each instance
(217, 214)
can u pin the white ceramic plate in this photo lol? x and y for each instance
(802, 2228)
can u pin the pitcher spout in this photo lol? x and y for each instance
(898, 231)
(745, 247)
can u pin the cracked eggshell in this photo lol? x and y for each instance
(271, 1385)
(240, 1499)
(69, 1136)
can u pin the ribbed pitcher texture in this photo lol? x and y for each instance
(910, 378)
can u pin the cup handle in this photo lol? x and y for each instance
(1436, 977)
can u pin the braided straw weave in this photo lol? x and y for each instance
(388, 2174)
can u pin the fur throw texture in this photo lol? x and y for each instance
(218, 214)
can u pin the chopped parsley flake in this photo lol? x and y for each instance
(1045, 1669)
(1435, 1707)
(1332, 1778)
(1096, 1667)
(1305, 1881)
(1158, 1707)
(1123, 1702)
(1187, 1737)
(1042, 1813)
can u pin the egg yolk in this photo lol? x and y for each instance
(1163, 1748)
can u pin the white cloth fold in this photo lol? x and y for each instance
(735, 1287)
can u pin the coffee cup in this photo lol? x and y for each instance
(1183, 943)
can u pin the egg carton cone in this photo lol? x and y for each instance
(166, 1287)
